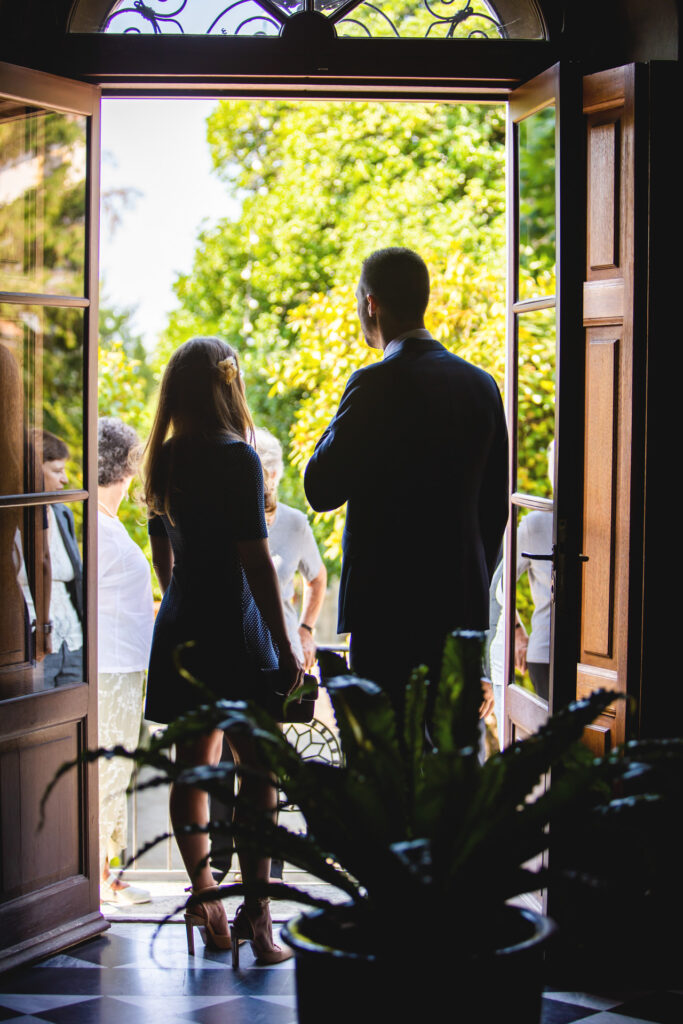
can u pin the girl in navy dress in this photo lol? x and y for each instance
(221, 614)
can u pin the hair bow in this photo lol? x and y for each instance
(228, 369)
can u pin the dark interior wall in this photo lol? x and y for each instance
(630, 30)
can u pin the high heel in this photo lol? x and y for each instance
(258, 930)
(197, 916)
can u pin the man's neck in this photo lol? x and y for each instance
(391, 331)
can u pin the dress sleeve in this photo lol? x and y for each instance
(245, 495)
(155, 526)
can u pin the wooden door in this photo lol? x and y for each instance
(592, 309)
(543, 396)
(49, 167)
(609, 310)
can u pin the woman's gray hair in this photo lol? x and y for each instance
(118, 451)
(269, 451)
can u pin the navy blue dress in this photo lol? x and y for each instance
(208, 617)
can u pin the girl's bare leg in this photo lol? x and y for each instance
(190, 806)
(260, 795)
(253, 921)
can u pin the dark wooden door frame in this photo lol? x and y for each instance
(344, 68)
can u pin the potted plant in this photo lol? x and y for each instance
(616, 857)
(428, 844)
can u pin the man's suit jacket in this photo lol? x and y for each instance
(418, 449)
(65, 521)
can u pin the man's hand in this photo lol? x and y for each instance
(521, 644)
(308, 647)
(293, 668)
(486, 706)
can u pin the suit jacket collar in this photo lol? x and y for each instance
(411, 344)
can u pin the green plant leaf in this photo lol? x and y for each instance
(455, 722)
(523, 763)
(414, 735)
(369, 737)
(296, 848)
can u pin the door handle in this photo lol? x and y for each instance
(548, 558)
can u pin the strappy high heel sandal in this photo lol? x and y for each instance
(197, 916)
(258, 930)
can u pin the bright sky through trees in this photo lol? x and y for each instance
(158, 147)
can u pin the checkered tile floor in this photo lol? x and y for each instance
(123, 978)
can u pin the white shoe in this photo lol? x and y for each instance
(127, 897)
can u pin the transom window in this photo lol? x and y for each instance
(438, 19)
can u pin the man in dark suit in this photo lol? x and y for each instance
(418, 450)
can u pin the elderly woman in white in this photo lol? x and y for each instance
(125, 624)
(293, 549)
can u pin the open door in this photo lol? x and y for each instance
(573, 307)
(544, 383)
(608, 654)
(49, 202)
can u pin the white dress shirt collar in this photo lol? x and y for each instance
(420, 332)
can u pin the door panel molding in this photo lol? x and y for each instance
(600, 497)
(603, 193)
(603, 302)
(605, 90)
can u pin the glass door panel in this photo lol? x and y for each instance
(544, 395)
(536, 191)
(531, 400)
(42, 615)
(42, 200)
(42, 356)
(536, 360)
(534, 538)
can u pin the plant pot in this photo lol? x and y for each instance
(341, 981)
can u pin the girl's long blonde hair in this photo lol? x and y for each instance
(201, 396)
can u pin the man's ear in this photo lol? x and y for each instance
(372, 305)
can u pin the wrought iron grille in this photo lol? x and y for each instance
(369, 18)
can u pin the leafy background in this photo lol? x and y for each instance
(316, 187)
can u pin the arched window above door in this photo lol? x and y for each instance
(435, 19)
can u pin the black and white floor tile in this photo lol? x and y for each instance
(123, 977)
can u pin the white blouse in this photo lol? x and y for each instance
(126, 607)
(66, 625)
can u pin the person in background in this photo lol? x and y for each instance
(124, 637)
(294, 550)
(65, 663)
(535, 537)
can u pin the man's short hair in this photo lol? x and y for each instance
(399, 280)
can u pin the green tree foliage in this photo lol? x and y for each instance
(414, 18)
(125, 387)
(317, 187)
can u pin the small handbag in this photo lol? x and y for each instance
(274, 697)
